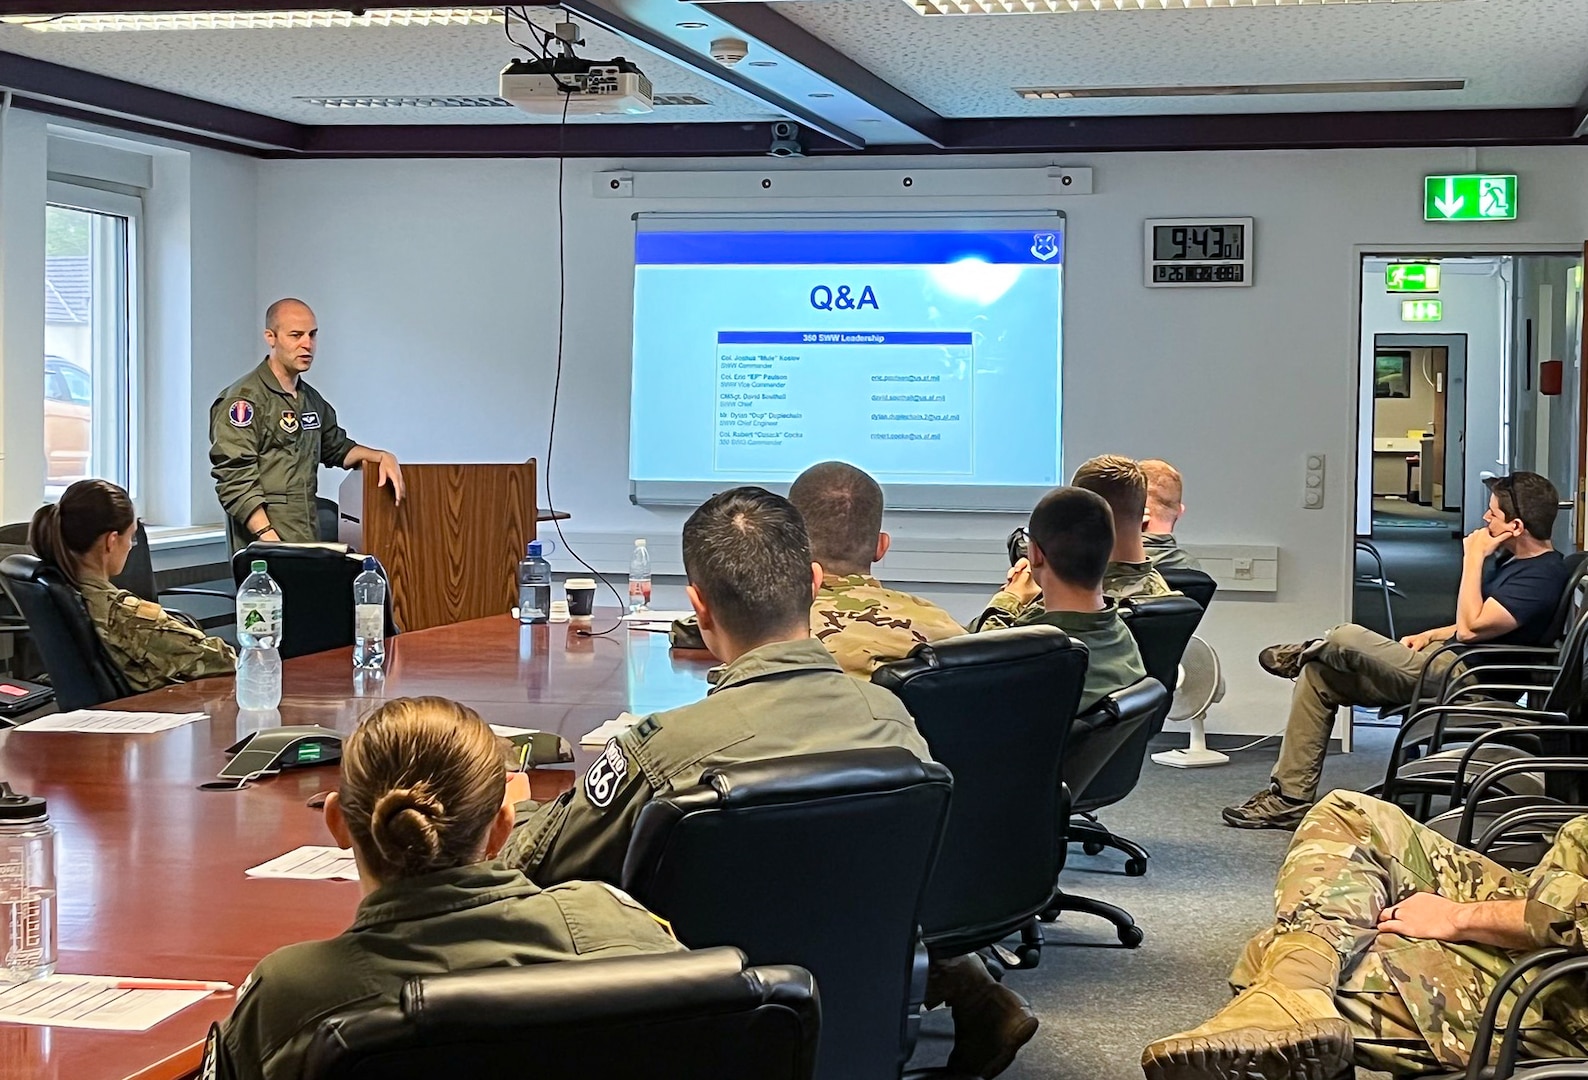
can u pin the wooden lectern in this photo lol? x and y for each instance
(451, 549)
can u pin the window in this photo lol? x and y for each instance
(90, 335)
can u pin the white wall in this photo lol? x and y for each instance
(436, 287)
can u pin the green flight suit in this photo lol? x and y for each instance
(782, 699)
(1166, 554)
(469, 917)
(151, 648)
(865, 624)
(266, 447)
(1113, 662)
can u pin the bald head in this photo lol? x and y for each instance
(291, 332)
(285, 305)
(1165, 495)
(842, 508)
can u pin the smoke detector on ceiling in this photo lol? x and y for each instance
(729, 51)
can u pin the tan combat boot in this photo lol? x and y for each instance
(1282, 1027)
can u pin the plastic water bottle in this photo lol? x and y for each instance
(259, 610)
(27, 888)
(639, 578)
(369, 617)
(258, 679)
(534, 586)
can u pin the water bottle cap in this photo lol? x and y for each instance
(639, 543)
(14, 807)
(259, 566)
(370, 563)
(534, 547)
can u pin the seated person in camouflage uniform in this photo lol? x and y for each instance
(87, 536)
(862, 623)
(751, 580)
(422, 805)
(1165, 507)
(1123, 486)
(1509, 599)
(1387, 941)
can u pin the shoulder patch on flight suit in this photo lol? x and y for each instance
(311, 421)
(289, 422)
(601, 783)
(241, 413)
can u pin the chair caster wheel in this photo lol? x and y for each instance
(1135, 867)
(1049, 915)
(1028, 955)
(1093, 847)
(1130, 936)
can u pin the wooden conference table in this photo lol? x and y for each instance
(151, 868)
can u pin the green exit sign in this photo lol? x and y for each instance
(1470, 197)
(1422, 310)
(1411, 277)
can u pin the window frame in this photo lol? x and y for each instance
(127, 374)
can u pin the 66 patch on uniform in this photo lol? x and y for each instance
(601, 783)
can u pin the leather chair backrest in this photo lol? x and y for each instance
(15, 534)
(327, 522)
(1196, 584)
(316, 593)
(81, 671)
(1162, 626)
(1137, 713)
(996, 709)
(137, 577)
(674, 1016)
(820, 860)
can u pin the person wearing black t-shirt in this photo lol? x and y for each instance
(1512, 579)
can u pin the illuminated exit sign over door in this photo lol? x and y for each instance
(1469, 197)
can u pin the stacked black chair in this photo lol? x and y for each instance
(1162, 626)
(674, 1016)
(316, 593)
(820, 860)
(996, 709)
(80, 669)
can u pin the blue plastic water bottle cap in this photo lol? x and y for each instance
(369, 562)
(534, 547)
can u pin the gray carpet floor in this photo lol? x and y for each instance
(1207, 889)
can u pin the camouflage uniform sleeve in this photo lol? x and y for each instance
(234, 458)
(335, 444)
(1000, 613)
(1557, 898)
(170, 647)
(583, 834)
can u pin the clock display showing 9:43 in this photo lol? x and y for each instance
(1191, 252)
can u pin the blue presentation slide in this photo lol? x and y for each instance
(924, 357)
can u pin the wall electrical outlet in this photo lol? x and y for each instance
(1312, 492)
(1243, 569)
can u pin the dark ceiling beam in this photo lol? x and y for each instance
(761, 23)
(133, 127)
(541, 140)
(55, 84)
(602, 14)
(1263, 131)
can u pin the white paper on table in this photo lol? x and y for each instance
(657, 616)
(91, 1001)
(114, 723)
(660, 626)
(309, 863)
(507, 732)
(595, 740)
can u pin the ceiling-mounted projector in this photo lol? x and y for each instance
(540, 86)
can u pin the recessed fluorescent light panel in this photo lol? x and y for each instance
(454, 101)
(258, 20)
(1380, 86)
(1050, 7)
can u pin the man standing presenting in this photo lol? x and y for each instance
(269, 433)
(1510, 601)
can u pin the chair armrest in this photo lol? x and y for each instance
(183, 590)
(1553, 814)
(1492, 776)
(1465, 650)
(1484, 1040)
(1495, 710)
(1458, 786)
(1572, 967)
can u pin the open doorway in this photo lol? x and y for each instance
(1419, 432)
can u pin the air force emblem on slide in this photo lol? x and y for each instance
(241, 413)
(1044, 246)
(601, 783)
(289, 422)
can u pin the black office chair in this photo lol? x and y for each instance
(1196, 584)
(996, 709)
(674, 1016)
(316, 593)
(327, 521)
(1162, 626)
(820, 860)
(137, 577)
(81, 671)
(1114, 728)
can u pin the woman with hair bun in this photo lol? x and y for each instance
(87, 536)
(424, 805)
